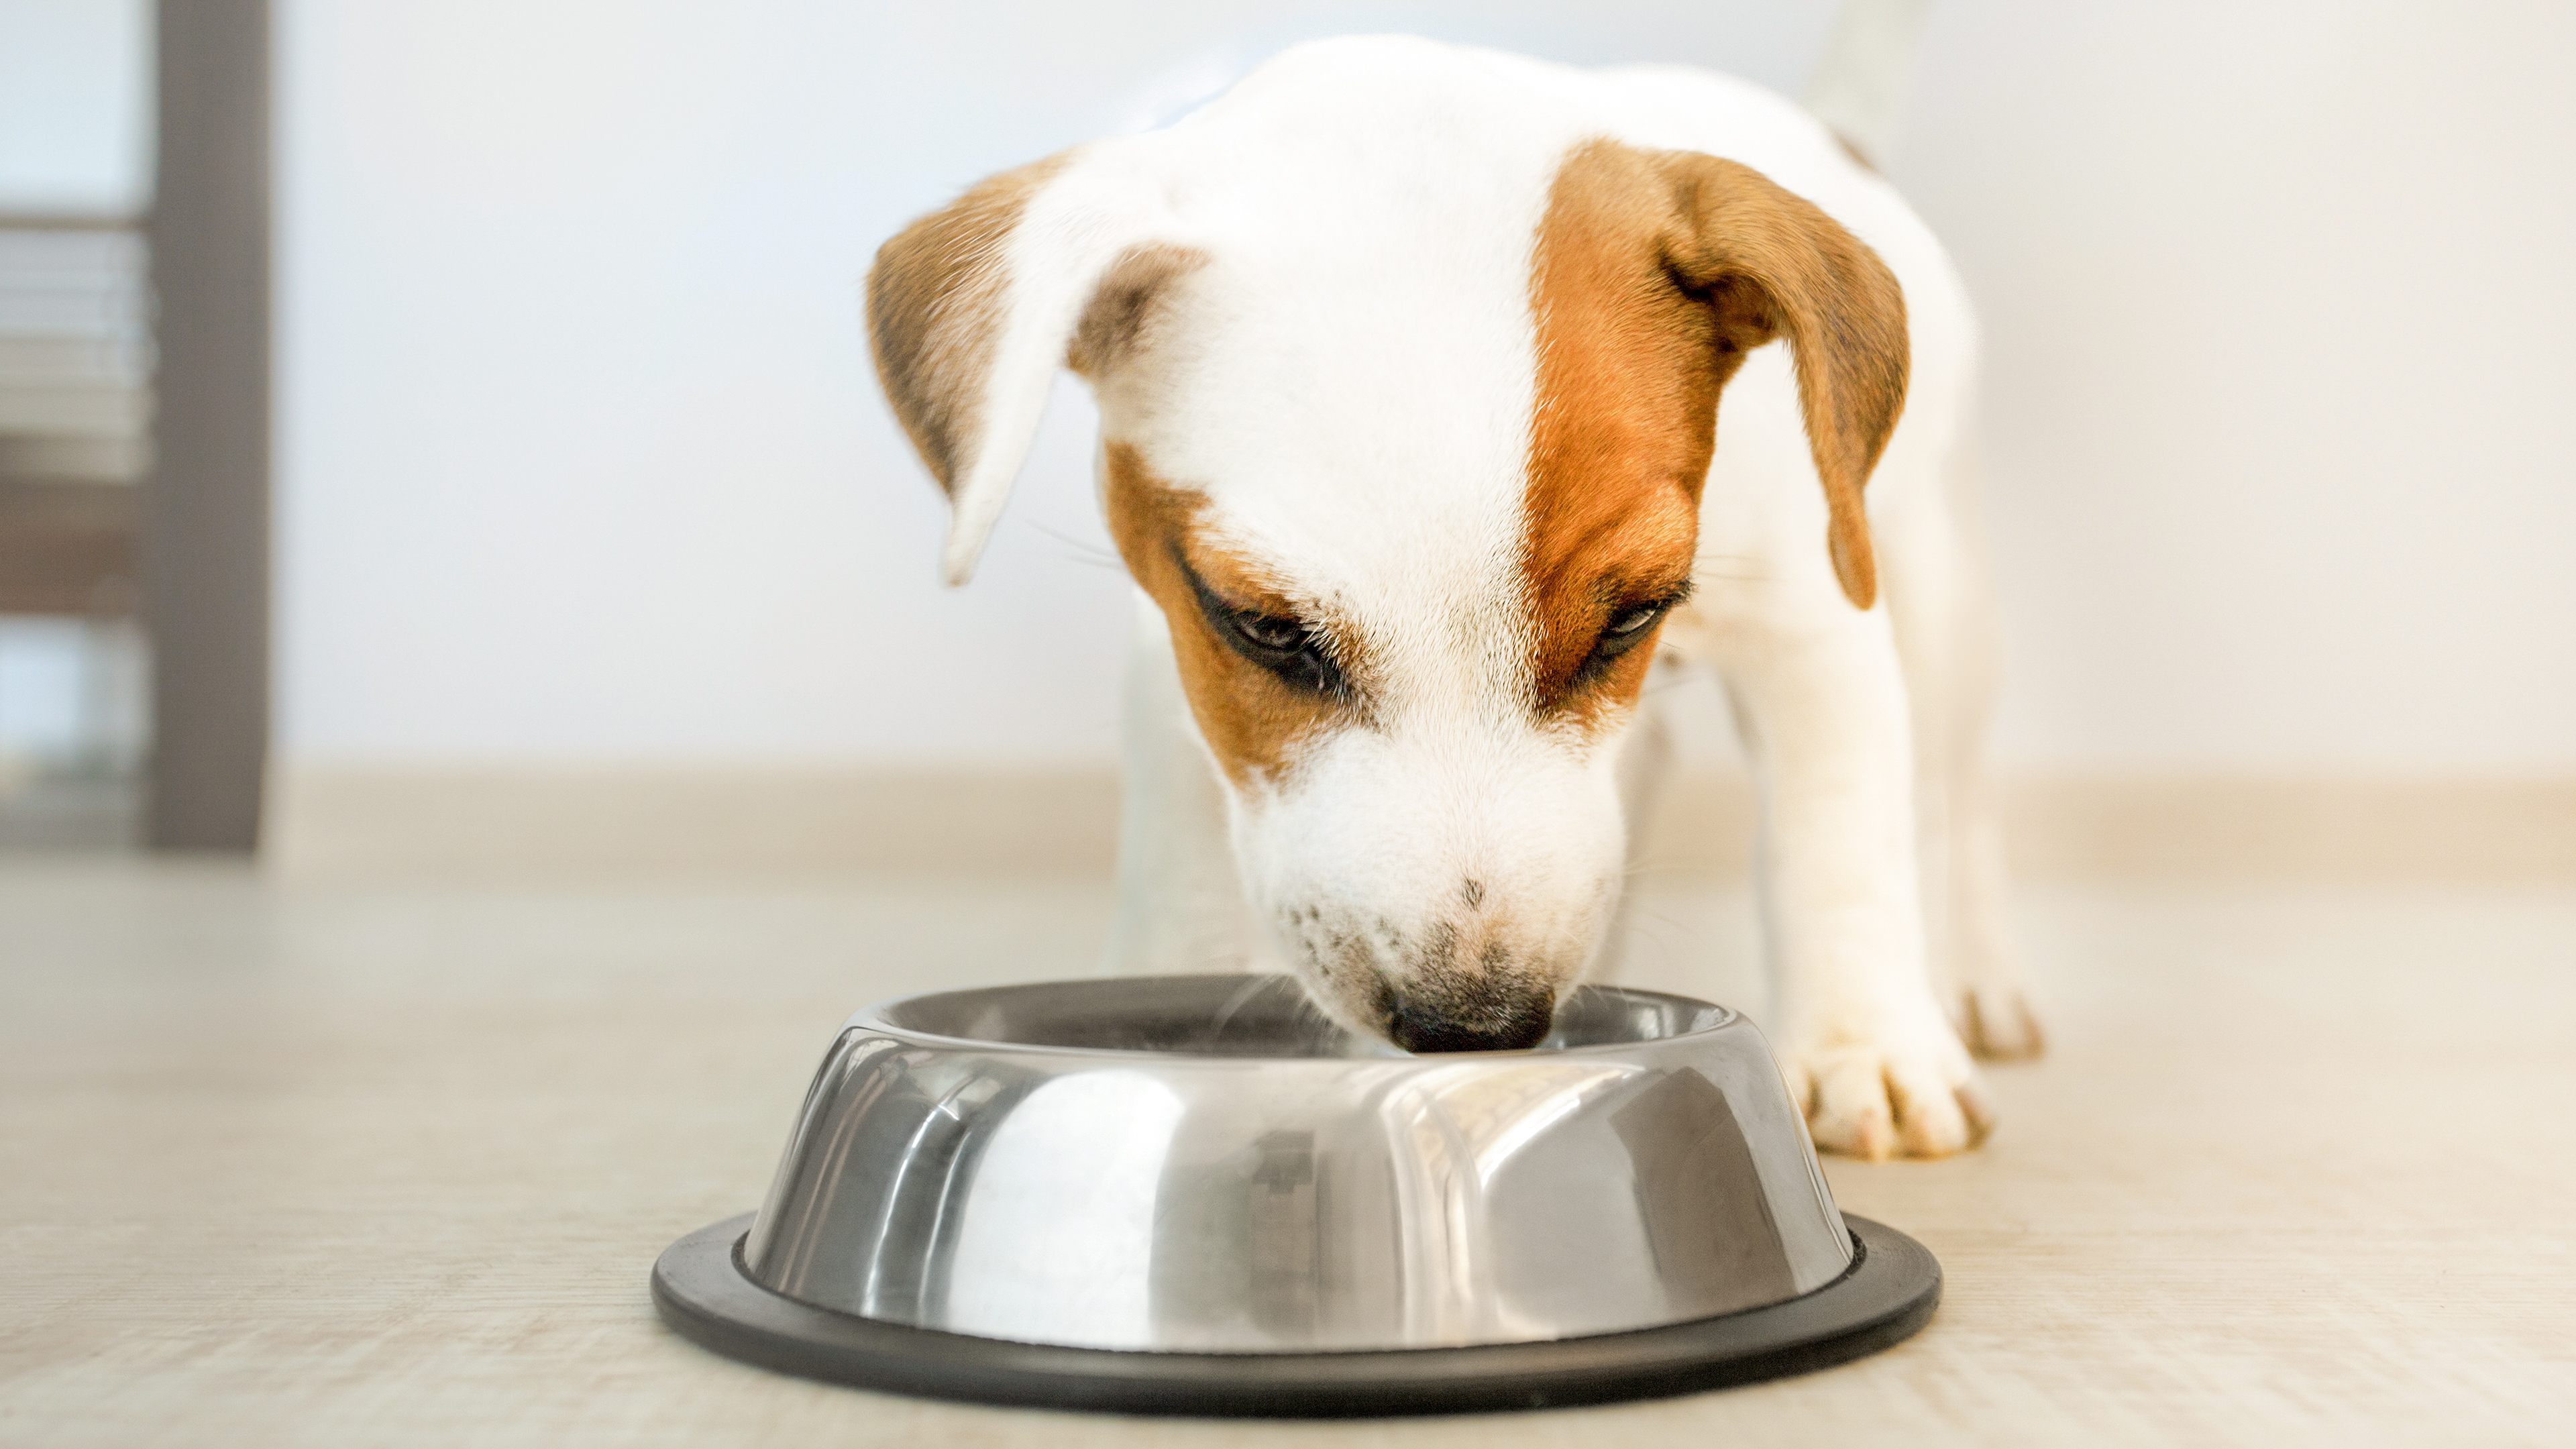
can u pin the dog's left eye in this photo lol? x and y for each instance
(1635, 621)
(1626, 629)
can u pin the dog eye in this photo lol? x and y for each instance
(1631, 623)
(1269, 632)
(1291, 651)
(1289, 648)
(1634, 621)
(1626, 630)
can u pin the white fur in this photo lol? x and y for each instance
(1349, 381)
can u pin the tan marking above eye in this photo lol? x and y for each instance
(1253, 721)
(1653, 273)
(1628, 376)
(1774, 265)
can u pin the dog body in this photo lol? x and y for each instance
(1410, 361)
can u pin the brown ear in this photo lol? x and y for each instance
(973, 308)
(940, 308)
(1771, 264)
(935, 303)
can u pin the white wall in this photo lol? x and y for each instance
(2279, 306)
(581, 459)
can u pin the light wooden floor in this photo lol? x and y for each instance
(377, 1165)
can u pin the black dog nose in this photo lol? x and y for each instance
(1498, 1022)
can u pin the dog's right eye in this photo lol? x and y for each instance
(1288, 648)
(1268, 632)
(1291, 649)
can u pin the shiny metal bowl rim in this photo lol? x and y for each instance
(871, 1018)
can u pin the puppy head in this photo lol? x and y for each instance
(1407, 440)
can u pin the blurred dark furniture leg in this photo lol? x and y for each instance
(206, 515)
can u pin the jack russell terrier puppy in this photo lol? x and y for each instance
(1409, 361)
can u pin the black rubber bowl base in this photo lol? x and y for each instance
(1885, 1296)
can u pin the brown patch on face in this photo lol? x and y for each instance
(1654, 273)
(935, 313)
(1254, 721)
(1629, 367)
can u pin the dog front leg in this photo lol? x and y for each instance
(1867, 1049)
(1645, 760)
(1180, 900)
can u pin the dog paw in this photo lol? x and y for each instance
(1996, 1023)
(1908, 1091)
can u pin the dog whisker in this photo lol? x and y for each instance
(1252, 986)
(1084, 551)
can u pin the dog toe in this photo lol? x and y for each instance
(1850, 1112)
(1997, 1024)
(1876, 1100)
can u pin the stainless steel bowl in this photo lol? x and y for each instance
(1205, 1167)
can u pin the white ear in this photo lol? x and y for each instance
(971, 310)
